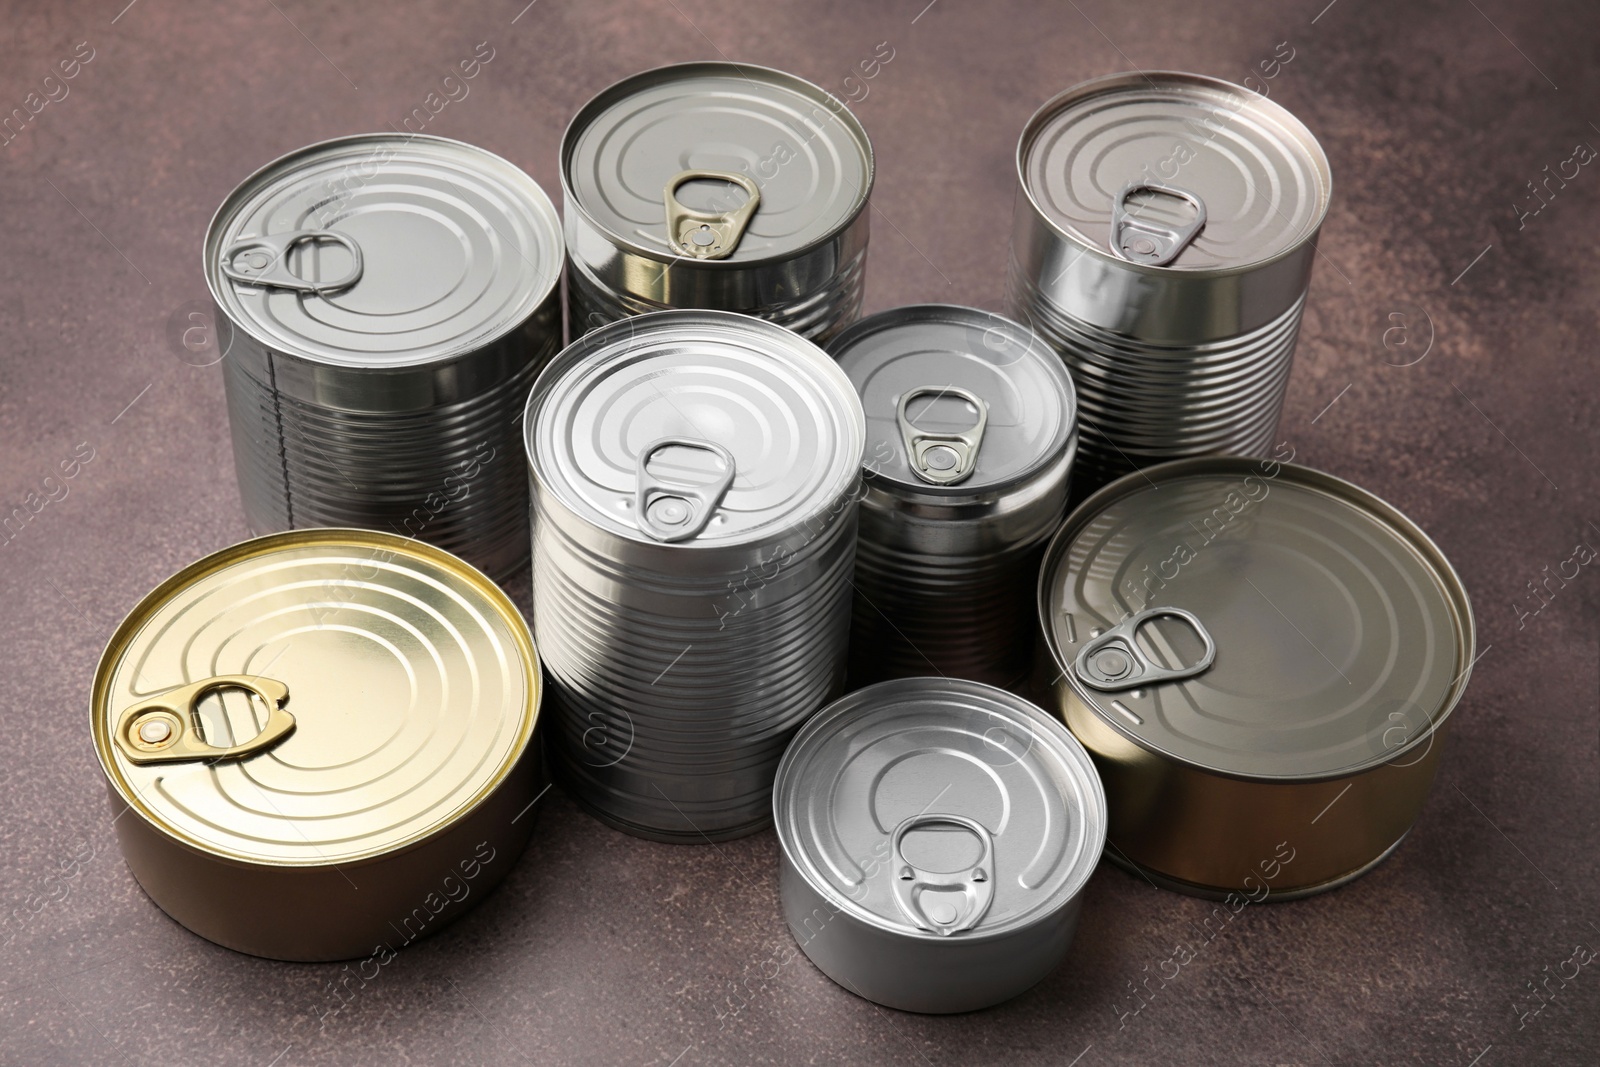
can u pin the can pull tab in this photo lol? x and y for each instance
(264, 261)
(941, 458)
(1146, 241)
(1114, 661)
(678, 512)
(161, 729)
(708, 234)
(944, 904)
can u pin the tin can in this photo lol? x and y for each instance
(1163, 240)
(935, 837)
(719, 186)
(391, 300)
(971, 431)
(694, 480)
(1262, 660)
(318, 745)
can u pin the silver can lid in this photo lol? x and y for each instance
(381, 250)
(1128, 164)
(707, 129)
(1256, 619)
(940, 807)
(958, 401)
(695, 428)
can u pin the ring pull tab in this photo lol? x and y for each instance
(943, 904)
(161, 729)
(941, 458)
(264, 261)
(672, 513)
(1144, 241)
(708, 234)
(1113, 661)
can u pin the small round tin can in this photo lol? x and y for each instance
(971, 432)
(719, 186)
(319, 744)
(389, 300)
(1262, 660)
(695, 478)
(935, 837)
(1163, 239)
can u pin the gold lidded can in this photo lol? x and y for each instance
(320, 744)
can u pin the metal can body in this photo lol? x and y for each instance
(1177, 322)
(744, 134)
(1284, 650)
(388, 398)
(321, 782)
(936, 835)
(948, 560)
(694, 481)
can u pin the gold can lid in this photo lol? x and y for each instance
(315, 697)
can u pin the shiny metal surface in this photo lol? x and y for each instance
(946, 574)
(389, 402)
(414, 690)
(936, 836)
(1342, 640)
(681, 665)
(1191, 357)
(800, 255)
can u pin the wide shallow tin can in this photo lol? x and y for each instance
(694, 477)
(935, 838)
(971, 431)
(720, 186)
(388, 302)
(1262, 660)
(319, 745)
(1163, 240)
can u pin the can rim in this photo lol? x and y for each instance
(207, 565)
(845, 486)
(542, 203)
(626, 86)
(1455, 592)
(1076, 756)
(1091, 86)
(963, 491)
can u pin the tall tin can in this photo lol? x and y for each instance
(971, 432)
(1163, 240)
(319, 745)
(694, 480)
(1262, 660)
(719, 186)
(391, 300)
(935, 837)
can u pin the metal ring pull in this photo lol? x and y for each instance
(942, 458)
(1114, 661)
(1142, 241)
(923, 895)
(263, 261)
(161, 729)
(708, 234)
(671, 513)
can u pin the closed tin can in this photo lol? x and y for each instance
(1262, 660)
(935, 837)
(1163, 241)
(319, 744)
(694, 479)
(971, 431)
(719, 186)
(391, 300)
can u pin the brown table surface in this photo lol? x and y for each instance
(603, 949)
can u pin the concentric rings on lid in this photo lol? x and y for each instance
(383, 250)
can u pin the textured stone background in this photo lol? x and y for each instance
(602, 949)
